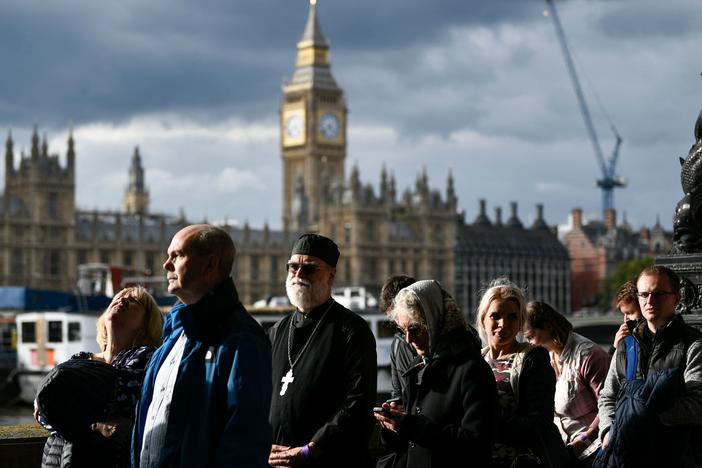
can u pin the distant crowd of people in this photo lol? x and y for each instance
(519, 388)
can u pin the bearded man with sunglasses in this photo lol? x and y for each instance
(653, 391)
(324, 368)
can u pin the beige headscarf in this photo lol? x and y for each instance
(440, 311)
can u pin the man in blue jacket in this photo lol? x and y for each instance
(645, 413)
(207, 390)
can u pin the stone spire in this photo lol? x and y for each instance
(71, 153)
(136, 197)
(392, 189)
(354, 186)
(45, 146)
(383, 184)
(451, 198)
(9, 154)
(313, 35)
(312, 67)
(35, 144)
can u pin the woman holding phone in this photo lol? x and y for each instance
(450, 397)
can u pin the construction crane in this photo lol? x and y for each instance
(609, 180)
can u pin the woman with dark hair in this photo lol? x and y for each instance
(525, 381)
(128, 333)
(581, 368)
(448, 414)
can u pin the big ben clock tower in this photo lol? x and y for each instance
(313, 129)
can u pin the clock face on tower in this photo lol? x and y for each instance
(293, 127)
(329, 126)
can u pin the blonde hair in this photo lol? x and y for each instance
(500, 289)
(152, 331)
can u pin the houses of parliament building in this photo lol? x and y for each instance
(380, 231)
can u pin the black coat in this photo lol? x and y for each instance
(451, 408)
(330, 401)
(532, 423)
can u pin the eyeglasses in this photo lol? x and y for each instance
(412, 331)
(654, 294)
(306, 268)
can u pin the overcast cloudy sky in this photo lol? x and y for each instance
(477, 86)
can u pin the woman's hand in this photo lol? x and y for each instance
(392, 416)
(622, 333)
(578, 446)
(118, 429)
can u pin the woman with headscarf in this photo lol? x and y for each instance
(526, 435)
(581, 369)
(128, 333)
(447, 418)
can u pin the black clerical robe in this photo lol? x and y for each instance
(333, 391)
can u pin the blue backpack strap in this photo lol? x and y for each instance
(632, 356)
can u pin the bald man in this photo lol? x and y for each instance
(207, 390)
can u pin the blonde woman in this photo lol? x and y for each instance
(525, 383)
(128, 333)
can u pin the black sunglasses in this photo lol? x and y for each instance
(307, 268)
(412, 331)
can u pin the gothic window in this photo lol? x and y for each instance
(151, 262)
(128, 258)
(54, 263)
(254, 267)
(370, 231)
(52, 211)
(347, 233)
(18, 233)
(371, 267)
(274, 269)
(17, 262)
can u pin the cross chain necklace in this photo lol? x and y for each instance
(288, 378)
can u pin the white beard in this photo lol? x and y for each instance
(306, 295)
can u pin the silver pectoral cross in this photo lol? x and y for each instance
(287, 380)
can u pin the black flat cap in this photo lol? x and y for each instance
(317, 246)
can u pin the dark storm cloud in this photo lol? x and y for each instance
(79, 61)
(474, 85)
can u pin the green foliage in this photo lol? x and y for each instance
(625, 271)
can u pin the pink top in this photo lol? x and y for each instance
(584, 368)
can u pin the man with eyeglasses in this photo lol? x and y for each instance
(324, 368)
(653, 391)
